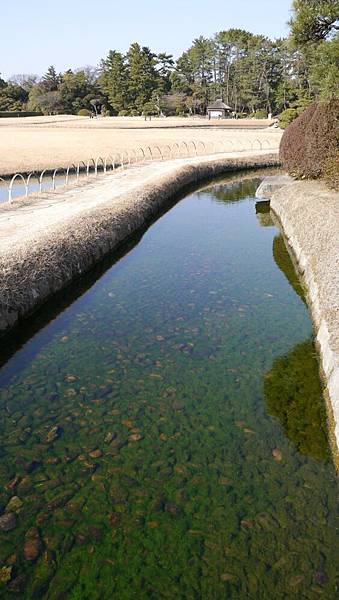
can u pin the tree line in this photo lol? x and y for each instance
(251, 73)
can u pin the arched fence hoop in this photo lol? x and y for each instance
(41, 178)
(109, 162)
(192, 143)
(80, 164)
(175, 147)
(143, 153)
(16, 176)
(99, 160)
(160, 152)
(186, 146)
(32, 175)
(90, 162)
(256, 144)
(202, 145)
(150, 152)
(57, 170)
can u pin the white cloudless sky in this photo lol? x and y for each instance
(74, 33)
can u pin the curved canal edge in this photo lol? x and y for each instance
(47, 243)
(308, 215)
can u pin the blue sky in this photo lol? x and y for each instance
(75, 33)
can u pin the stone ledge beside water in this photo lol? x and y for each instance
(308, 214)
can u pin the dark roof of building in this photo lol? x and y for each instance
(218, 105)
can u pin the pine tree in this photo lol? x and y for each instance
(113, 80)
(143, 78)
(50, 80)
(314, 20)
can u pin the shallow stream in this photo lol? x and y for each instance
(165, 435)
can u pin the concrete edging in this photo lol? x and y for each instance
(307, 214)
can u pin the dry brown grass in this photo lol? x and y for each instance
(36, 143)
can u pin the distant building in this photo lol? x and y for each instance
(218, 110)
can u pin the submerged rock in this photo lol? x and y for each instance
(8, 521)
(95, 453)
(14, 504)
(135, 437)
(277, 455)
(53, 434)
(5, 574)
(33, 544)
(227, 577)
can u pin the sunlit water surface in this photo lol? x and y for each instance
(165, 436)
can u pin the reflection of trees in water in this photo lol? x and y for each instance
(294, 395)
(283, 261)
(234, 191)
(292, 387)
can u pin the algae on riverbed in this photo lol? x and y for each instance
(137, 432)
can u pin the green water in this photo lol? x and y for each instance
(165, 435)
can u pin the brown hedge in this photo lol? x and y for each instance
(309, 148)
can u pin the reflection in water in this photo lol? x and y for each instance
(292, 387)
(294, 395)
(232, 192)
(283, 261)
(262, 210)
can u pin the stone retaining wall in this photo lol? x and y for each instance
(308, 214)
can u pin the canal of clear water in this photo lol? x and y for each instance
(164, 435)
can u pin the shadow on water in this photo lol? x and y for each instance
(284, 262)
(294, 396)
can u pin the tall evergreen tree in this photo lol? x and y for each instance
(113, 80)
(50, 80)
(143, 78)
(314, 20)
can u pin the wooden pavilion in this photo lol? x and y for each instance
(218, 110)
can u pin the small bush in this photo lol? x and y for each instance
(309, 146)
(259, 114)
(84, 112)
(123, 113)
(287, 117)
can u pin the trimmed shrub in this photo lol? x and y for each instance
(259, 114)
(309, 146)
(123, 113)
(84, 112)
(287, 117)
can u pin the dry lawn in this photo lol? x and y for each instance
(36, 143)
